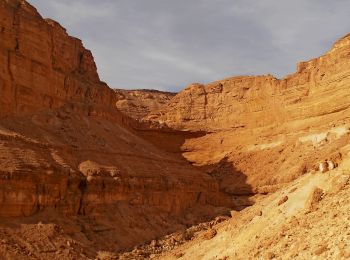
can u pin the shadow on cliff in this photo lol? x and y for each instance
(169, 141)
(232, 182)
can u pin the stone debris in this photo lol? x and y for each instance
(282, 200)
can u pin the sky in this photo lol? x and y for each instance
(168, 44)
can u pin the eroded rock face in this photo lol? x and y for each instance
(93, 168)
(41, 66)
(318, 88)
(293, 229)
(66, 152)
(270, 130)
(139, 103)
(65, 148)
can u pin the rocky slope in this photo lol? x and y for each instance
(266, 136)
(285, 126)
(72, 161)
(86, 171)
(308, 219)
(141, 102)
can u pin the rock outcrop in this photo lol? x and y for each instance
(284, 126)
(318, 88)
(141, 102)
(41, 65)
(67, 151)
(93, 168)
(84, 168)
(312, 223)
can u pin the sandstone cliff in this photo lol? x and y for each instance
(68, 155)
(285, 126)
(267, 136)
(139, 103)
(84, 168)
(317, 88)
(41, 65)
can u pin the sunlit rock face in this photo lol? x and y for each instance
(141, 102)
(41, 65)
(67, 149)
(271, 130)
(117, 168)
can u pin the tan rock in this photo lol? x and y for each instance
(276, 123)
(211, 233)
(315, 197)
(66, 151)
(282, 200)
(139, 103)
(331, 165)
(43, 66)
(118, 168)
(321, 249)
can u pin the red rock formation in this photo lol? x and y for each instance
(41, 65)
(139, 103)
(285, 126)
(67, 155)
(65, 147)
(258, 101)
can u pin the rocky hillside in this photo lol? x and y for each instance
(72, 162)
(318, 88)
(307, 219)
(285, 126)
(141, 102)
(89, 172)
(264, 138)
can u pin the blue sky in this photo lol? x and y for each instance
(167, 44)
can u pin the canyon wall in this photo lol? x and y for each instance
(141, 102)
(123, 167)
(319, 87)
(66, 149)
(267, 129)
(41, 65)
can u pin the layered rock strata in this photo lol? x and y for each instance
(266, 129)
(41, 65)
(141, 102)
(65, 148)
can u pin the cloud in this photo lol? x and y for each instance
(178, 62)
(166, 44)
(74, 12)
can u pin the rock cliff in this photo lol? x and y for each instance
(68, 154)
(41, 65)
(259, 101)
(285, 126)
(267, 136)
(139, 103)
(84, 168)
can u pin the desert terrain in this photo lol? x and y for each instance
(225, 170)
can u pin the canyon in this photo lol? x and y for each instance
(225, 170)
(68, 153)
